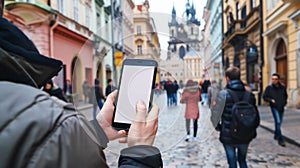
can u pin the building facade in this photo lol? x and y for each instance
(60, 33)
(183, 60)
(243, 42)
(128, 28)
(215, 30)
(102, 58)
(206, 46)
(282, 45)
(146, 43)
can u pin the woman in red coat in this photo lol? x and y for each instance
(191, 96)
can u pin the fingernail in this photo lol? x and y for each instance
(141, 102)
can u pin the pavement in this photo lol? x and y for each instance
(206, 150)
(290, 127)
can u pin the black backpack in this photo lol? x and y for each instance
(245, 117)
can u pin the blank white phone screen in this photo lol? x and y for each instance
(136, 84)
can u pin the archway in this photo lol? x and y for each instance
(76, 76)
(281, 61)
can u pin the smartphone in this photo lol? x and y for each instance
(137, 82)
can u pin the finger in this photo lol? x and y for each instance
(141, 111)
(153, 114)
(122, 133)
(109, 104)
(123, 140)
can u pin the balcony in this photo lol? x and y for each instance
(244, 25)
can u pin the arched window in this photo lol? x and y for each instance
(181, 52)
(281, 61)
(236, 61)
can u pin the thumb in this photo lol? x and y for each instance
(141, 110)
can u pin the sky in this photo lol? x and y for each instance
(161, 12)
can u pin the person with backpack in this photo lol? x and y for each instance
(37, 130)
(236, 116)
(276, 95)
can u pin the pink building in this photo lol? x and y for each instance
(52, 35)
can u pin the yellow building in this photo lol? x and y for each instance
(282, 44)
(146, 42)
(146, 38)
(242, 40)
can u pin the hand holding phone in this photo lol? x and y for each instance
(144, 127)
(105, 116)
(136, 84)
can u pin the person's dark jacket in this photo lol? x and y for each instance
(37, 130)
(278, 93)
(109, 89)
(53, 91)
(170, 88)
(222, 112)
(205, 86)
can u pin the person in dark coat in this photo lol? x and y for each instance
(110, 87)
(175, 89)
(170, 88)
(40, 131)
(54, 91)
(204, 89)
(236, 150)
(276, 95)
(98, 97)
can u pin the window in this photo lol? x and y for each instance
(252, 3)
(172, 33)
(87, 16)
(98, 20)
(227, 64)
(236, 61)
(271, 4)
(192, 31)
(60, 6)
(139, 50)
(76, 10)
(138, 30)
(244, 12)
(237, 10)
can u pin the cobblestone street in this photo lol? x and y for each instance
(206, 150)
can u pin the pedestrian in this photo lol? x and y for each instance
(190, 97)
(235, 149)
(68, 87)
(54, 90)
(40, 131)
(110, 87)
(97, 96)
(169, 87)
(175, 89)
(212, 93)
(275, 94)
(204, 89)
(68, 90)
(86, 91)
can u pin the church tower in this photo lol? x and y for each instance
(183, 48)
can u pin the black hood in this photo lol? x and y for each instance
(236, 85)
(20, 61)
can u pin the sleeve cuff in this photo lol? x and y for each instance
(141, 156)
